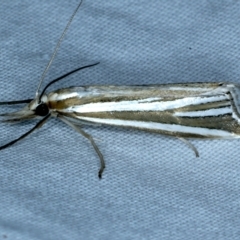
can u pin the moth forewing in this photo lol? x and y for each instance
(207, 110)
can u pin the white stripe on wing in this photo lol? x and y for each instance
(205, 113)
(163, 127)
(144, 104)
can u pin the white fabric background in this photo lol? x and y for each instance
(153, 186)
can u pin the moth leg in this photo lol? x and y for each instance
(190, 145)
(102, 162)
(38, 125)
(89, 137)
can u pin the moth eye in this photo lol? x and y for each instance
(42, 109)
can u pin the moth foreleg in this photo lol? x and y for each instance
(38, 125)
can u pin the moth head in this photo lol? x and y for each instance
(33, 109)
(39, 108)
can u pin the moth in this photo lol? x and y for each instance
(183, 110)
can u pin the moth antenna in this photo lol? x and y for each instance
(57, 47)
(63, 76)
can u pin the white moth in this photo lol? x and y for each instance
(200, 110)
